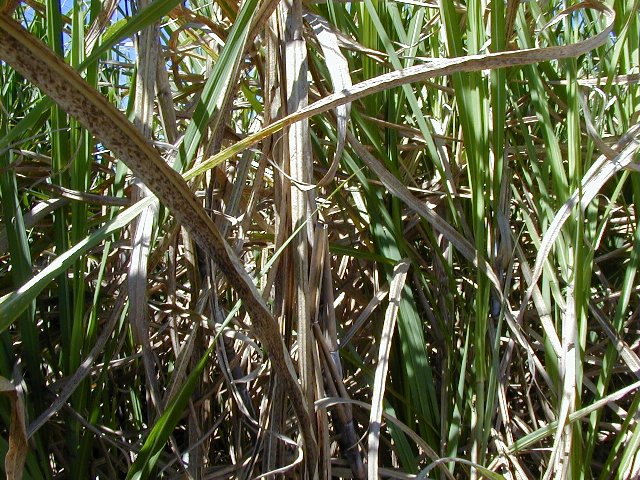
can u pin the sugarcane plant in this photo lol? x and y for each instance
(319, 239)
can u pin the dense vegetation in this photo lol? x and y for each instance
(429, 271)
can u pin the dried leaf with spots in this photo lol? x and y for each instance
(17, 452)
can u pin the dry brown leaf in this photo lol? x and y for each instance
(418, 73)
(18, 447)
(30, 57)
